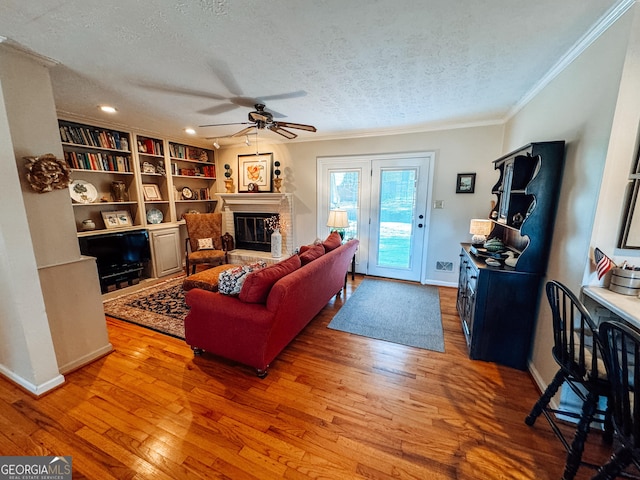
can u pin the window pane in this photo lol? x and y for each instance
(345, 186)
(397, 206)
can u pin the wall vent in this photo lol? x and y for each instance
(444, 266)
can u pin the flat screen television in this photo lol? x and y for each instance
(117, 253)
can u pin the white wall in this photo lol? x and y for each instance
(578, 107)
(26, 349)
(621, 155)
(62, 303)
(461, 150)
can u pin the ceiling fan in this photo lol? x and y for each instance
(260, 119)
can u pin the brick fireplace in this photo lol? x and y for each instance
(258, 206)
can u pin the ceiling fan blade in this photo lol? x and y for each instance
(244, 131)
(281, 131)
(223, 72)
(299, 126)
(218, 109)
(180, 91)
(282, 96)
(224, 124)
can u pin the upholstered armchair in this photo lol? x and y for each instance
(204, 244)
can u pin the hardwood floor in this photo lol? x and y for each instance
(334, 406)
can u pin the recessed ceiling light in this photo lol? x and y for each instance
(190, 131)
(108, 109)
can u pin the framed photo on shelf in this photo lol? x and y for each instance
(254, 170)
(151, 192)
(466, 183)
(116, 219)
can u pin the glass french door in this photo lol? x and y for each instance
(398, 218)
(344, 185)
(385, 198)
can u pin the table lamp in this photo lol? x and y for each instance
(338, 221)
(480, 228)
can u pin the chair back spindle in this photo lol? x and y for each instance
(621, 344)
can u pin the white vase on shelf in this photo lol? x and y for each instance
(276, 244)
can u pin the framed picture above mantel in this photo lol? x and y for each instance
(254, 171)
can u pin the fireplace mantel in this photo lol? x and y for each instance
(253, 198)
(280, 203)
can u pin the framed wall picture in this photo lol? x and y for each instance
(117, 219)
(466, 183)
(254, 170)
(151, 192)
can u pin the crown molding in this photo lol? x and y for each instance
(12, 45)
(574, 52)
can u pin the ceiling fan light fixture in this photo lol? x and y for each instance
(260, 120)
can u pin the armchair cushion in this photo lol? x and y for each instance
(207, 256)
(204, 225)
(205, 244)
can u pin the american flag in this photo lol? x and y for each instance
(603, 263)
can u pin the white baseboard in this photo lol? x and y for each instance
(542, 385)
(36, 390)
(85, 359)
(439, 283)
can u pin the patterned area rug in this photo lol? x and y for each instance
(160, 307)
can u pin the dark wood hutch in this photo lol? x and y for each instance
(498, 305)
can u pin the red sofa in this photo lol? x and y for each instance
(255, 333)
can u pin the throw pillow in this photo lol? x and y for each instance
(333, 241)
(205, 244)
(311, 254)
(304, 248)
(258, 284)
(230, 281)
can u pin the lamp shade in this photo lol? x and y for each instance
(338, 219)
(480, 227)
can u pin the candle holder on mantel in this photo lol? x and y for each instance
(277, 182)
(228, 183)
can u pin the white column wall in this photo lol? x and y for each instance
(27, 355)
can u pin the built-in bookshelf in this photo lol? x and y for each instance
(154, 186)
(193, 174)
(98, 159)
(156, 176)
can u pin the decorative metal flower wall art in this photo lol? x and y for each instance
(46, 173)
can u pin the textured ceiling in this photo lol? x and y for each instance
(348, 67)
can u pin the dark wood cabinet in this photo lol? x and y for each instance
(498, 305)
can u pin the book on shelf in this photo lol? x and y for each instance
(97, 161)
(150, 146)
(93, 137)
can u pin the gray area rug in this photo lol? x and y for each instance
(160, 307)
(399, 312)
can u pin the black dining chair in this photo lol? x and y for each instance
(578, 351)
(621, 345)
